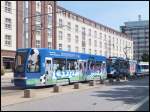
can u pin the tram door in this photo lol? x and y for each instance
(48, 67)
(83, 69)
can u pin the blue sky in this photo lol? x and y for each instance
(109, 13)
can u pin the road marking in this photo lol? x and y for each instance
(139, 104)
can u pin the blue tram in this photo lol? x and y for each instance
(42, 66)
(117, 67)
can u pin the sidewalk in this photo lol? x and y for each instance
(121, 96)
(47, 92)
(43, 93)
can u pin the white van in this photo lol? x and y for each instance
(142, 68)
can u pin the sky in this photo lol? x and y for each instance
(110, 13)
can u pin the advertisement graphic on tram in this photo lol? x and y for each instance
(39, 67)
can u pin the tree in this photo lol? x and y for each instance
(145, 57)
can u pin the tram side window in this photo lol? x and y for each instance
(33, 63)
(91, 65)
(19, 63)
(145, 66)
(98, 65)
(80, 66)
(59, 64)
(20, 59)
(71, 64)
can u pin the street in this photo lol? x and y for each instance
(120, 96)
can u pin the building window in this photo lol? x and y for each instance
(89, 32)
(69, 26)
(83, 44)
(38, 6)
(8, 7)
(49, 16)
(69, 37)
(38, 44)
(49, 33)
(49, 19)
(60, 46)
(38, 27)
(95, 43)
(8, 23)
(83, 31)
(89, 42)
(26, 4)
(49, 45)
(60, 35)
(38, 17)
(69, 48)
(50, 9)
(76, 49)
(100, 35)
(95, 34)
(100, 44)
(60, 23)
(38, 33)
(8, 40)
(105, 37)
(76, 39)
(76, 28)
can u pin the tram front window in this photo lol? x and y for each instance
(20, 61)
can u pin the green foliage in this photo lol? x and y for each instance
(145, 57)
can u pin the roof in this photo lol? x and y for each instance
(104, 26)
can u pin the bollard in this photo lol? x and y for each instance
(56, 88)
(91, 83)
(76, 85)
(28, 93)
(101, 81)
(125, 78)
(111, 80)
(118, 79)
(12, 80)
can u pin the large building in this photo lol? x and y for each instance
(45, 24)
(139, 32)
(80, 34)
(8, 33)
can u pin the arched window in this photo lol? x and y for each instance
(49, 9)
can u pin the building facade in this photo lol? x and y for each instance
(139, 32)
(79, 34)
(47, 25)
(8, 33)
(36, 21)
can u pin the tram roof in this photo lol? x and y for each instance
(62, 54)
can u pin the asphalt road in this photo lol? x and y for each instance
(119, 96)
(144, 107)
